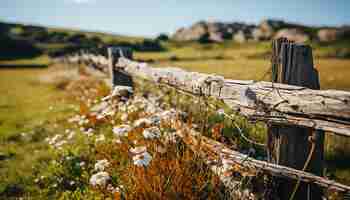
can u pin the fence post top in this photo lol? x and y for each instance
(117, 52)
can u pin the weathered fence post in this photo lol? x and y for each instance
(118, 76)
(291, 145)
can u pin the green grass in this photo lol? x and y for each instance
(106, 37)
(245, 61)
(24, 108)
(25, 102)
(40, 60)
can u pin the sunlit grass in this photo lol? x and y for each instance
(40, 110)
(25, 120)
(40, 60)
(246, 62)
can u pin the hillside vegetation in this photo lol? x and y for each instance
(51, 145)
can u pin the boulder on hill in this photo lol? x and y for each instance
(260, 35)
(271, 25)
(293, 34)
(328, 35)
(195, 32)
(267, 29)
(214, 31)
(240, 37)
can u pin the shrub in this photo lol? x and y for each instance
(162, 37)
(14, 48)
(204, 39)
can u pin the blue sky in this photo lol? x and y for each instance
(151, 17)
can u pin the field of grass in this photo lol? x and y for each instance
(31, 111)
(246, 62)
(28, 111)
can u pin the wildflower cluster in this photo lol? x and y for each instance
(123, 146)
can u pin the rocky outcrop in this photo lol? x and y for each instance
(333, 34)
(216, 31)
(293, 34)
(195, 32)
(266, 30)
(327, 35)
(240, 37)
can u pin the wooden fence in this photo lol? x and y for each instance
(297, 112)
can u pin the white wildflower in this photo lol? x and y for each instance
(113, 189)
(100, 107)
(142, 159)
(138, 150)
(168, 115)
(119, 91)
(151, 109)
(99, 179)
(117, 141)
(220, 112)
(82, 164)
(122, 130)
(124, 117)
(226, 164)
(204, 81)
(142, 122)
(151, 133)
(89, 132)
(101, 165)
(100, 116)
(54, 139)
(71, 135)
(60, 144)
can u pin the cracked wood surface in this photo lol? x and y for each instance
(215, 154)
(327, 110)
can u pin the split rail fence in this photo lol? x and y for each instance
(298, 114)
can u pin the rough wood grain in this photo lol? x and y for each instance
(290, 145)
(240, 96)
(118, 76)
(328, 110)
(214, 153)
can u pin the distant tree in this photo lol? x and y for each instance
(14, 49)
(162, 37)
(3, 29)
(77, 38)
(149, 45)
(40, 36)
(95, 40)
(204, 39)
(58, 37)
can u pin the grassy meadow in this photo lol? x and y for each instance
(35, 106)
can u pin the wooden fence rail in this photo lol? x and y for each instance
(275, 103)
(327, 110)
